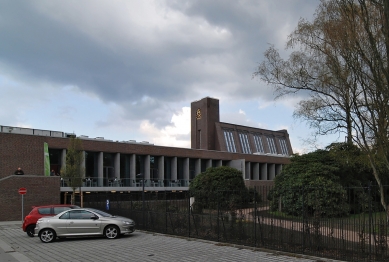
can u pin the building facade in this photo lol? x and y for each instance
(133, 166)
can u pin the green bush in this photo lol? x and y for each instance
(219, 187)
(309, 185)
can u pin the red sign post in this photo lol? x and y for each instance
(22, 190)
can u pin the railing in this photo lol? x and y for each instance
(123, 182)
(359, 235)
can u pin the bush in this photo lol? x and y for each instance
(308, 185)
(219, 187)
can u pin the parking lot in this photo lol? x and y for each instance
(15, 245)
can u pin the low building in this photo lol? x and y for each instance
(133, 166)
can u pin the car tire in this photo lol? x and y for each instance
(30, 230)
(47, 235)
(111, 232)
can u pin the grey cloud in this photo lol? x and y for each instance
(39, 47)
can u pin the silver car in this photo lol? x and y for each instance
(82, 222)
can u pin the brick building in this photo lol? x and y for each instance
(130, 165)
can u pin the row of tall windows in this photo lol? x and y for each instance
(258, 142)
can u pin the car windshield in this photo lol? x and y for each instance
(101, 213)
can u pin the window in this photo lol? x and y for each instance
(80, 214)
(64, 216)
(258, 143)
(229, 138)
(272, 145)
(284, 148)
(44, 210)
(58, 210)
(244, 141)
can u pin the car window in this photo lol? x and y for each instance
(80, 214)
(58, 210)
(44, 210)
(64, 216)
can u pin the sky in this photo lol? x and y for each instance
(129, 69)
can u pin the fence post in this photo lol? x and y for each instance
(166, 213)
(255, 216)
(370, 219)
(218, 217)
(189, 210)
(302, 211)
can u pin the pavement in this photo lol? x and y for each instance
(16, 246)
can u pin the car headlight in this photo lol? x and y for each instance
(128, 222)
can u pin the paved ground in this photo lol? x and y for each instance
(15, 245)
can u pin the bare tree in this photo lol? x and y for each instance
(341, 62)
(74, 171)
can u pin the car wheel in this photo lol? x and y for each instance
(47, 235)
(30, 230)
(111, 232)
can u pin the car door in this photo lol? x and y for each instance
(61, 224)
(80, 222)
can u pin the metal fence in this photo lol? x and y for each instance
(257, 220)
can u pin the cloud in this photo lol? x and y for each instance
(177, 133)
(126, 69)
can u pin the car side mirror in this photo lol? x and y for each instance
(94, 217)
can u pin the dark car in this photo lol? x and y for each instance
(37, 212)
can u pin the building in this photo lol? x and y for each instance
(131, 166)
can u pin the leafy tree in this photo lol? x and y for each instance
(73, 171)
(223, 186)
(341, 62)
(309, 185)
(353, 164)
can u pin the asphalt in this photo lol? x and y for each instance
(16, 246)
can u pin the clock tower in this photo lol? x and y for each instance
(204, 115)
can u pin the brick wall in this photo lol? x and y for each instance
(40, 191)
(25, 151)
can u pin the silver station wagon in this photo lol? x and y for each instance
(82, 222)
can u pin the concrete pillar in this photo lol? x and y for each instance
(264, 171)
(132, 169)
(100, 171)
(63, 159)
(272, 171)
(255, 167)
(174, 168)
(197, 166)
(161, 168)
(146, 168)
(239, 164)
(186, 172)
(83, 164)
(247, 171)
(116, 165)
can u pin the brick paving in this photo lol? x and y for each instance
(15, 245)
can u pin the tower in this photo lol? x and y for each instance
(204, 115)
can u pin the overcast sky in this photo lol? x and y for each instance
(129, 69)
